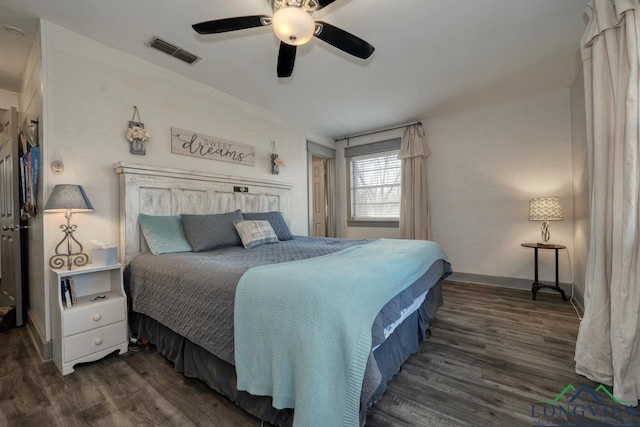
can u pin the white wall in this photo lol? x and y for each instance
(91, 90)
(581, 212)
(485, 165)
(8, 99)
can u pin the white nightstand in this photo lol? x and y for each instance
(94, 327)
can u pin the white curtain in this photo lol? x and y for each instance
(414, 201)
(608, 348)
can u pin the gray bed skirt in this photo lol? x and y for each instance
(196, 362)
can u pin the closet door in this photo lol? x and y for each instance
(10, 262)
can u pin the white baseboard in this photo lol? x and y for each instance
(506, 282)
(44, 348)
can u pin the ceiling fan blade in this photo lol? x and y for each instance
(344, 41)
(286, 59)
(232, 24)
(324, 3)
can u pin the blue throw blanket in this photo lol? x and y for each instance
(303, 328)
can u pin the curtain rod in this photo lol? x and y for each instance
(379, 131)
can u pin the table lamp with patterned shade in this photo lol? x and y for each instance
(545, 209)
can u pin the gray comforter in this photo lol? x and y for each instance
(193, 293)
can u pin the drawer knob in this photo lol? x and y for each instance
(98, 341)
(97, 317)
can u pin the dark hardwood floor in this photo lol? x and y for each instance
(493, 353)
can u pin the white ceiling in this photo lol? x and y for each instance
(14, 50)
(432, 57)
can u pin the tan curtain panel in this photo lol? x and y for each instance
(414, 199)
(608, 348)
(330, 195)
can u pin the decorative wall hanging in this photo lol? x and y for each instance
(137, 135)
(203, 146)
(29, 169)
(276, 162)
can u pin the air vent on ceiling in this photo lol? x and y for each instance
(173, 50)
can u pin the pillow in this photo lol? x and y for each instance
(276, 220)
(164, 234)
(206, 232)
(255, 233)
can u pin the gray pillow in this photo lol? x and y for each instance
(206, 232)
(276, 220)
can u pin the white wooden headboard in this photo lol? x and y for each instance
(165, 191)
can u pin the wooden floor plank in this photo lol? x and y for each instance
(493, 352)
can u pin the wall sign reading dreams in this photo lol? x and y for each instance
(194, 144)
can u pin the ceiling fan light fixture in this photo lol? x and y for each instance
(293, 25)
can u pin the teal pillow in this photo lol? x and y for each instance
(164, 234)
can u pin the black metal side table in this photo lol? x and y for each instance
(536, 286)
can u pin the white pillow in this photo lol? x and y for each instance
(255, 233)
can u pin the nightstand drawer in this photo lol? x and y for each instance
(86, 343)
(80, 319)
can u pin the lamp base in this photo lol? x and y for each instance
(545, 233)
(77, 259)
(71, 258)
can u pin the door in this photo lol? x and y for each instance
(10, 265)
(319, 202)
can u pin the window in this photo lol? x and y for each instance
(375, 184)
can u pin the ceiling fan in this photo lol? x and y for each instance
(294, 26)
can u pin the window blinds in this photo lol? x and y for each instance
(375, 186)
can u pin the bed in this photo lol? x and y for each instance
(184, 303)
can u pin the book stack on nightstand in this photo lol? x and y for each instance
(89, 314)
